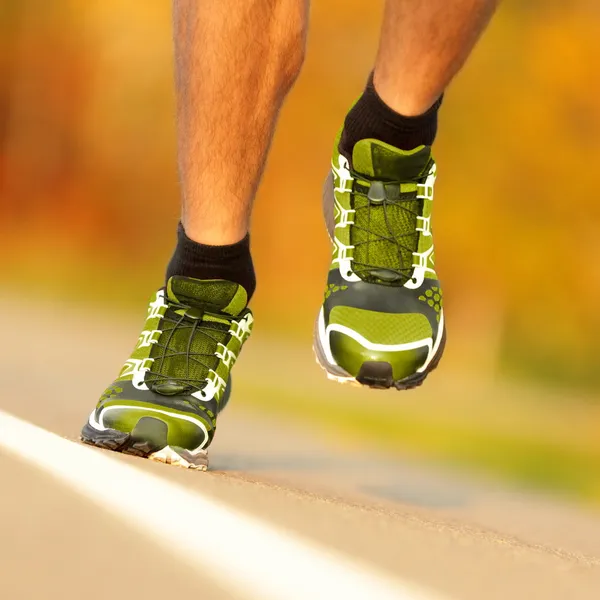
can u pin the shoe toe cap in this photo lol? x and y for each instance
(156, 424)
(358, 337)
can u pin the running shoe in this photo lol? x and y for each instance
(382, 320)
(165, 402)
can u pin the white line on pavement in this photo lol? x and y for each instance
(246, 555)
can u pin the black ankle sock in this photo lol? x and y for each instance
(232, 262)
(371, 117)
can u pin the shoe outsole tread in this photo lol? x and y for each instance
(147, 440)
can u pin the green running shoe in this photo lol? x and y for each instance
(382, 321)
(165, 402)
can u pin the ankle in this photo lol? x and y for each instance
(402, 99)
(371, 117)
(228, 235)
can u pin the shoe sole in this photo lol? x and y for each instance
(147, 440)
(374, 375)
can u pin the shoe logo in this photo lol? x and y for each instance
(425, 229)
(242, 329)
(344, 217)
(136, 369)
(425, 191)
(226, 355)
(155, 310)
(147, 338)
(134, 365)
(421, 268)
(342, 176)
(214, 388)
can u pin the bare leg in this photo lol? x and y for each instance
(235, 63)
(424, 43)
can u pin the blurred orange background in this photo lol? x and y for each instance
(89, 194)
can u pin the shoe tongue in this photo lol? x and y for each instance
(383, 259)
(378, 160)
(216, 294)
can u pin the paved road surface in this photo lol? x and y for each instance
(434, 534)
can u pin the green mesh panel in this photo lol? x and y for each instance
(373, 224)
(197, 339)
(385, 235)
(383, 328)
(174, 363)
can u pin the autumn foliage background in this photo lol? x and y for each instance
(88, 183)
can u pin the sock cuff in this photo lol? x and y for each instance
(207, 252)
(371, 117)
(390, 117)
(232, 262)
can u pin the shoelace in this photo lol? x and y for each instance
(403, 274)
(190, 318)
